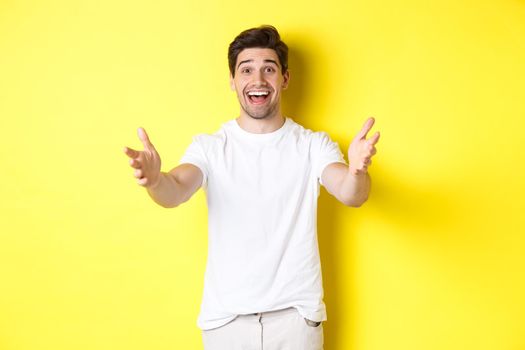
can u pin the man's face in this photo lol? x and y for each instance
(258, 82)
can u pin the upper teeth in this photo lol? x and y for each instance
(258, 93)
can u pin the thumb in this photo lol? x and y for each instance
(143, 136)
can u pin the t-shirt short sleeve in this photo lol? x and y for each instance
(195, 155)
(329, 152)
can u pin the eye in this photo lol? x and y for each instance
(269, 70)
(245, 70)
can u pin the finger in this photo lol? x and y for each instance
(373, 140)
(362, 169)
(366, 128)
(143, 136)
(138, 173)
(358, 170)
(131, 152)
(143, 181)
(135, 163)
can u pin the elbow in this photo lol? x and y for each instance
(355, 202)
(167, 205)
(171, 203)
(175, 203)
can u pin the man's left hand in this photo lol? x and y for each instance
(361, 150)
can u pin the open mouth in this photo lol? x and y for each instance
(258, 97)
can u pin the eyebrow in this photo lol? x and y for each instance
(267, 61)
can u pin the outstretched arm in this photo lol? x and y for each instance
(351, 184)
(166, 189)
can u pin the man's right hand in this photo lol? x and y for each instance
(146, 163)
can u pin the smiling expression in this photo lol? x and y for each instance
(258, 82)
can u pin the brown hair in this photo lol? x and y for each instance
(266, 37)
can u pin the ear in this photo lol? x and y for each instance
(286, 79)
(232, 83)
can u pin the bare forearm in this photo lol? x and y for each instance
(354, 188)
(167, 192)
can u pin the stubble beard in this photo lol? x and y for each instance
(262, 114)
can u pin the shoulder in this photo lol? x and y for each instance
(314, 137)
(210, 141)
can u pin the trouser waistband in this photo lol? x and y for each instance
(274, 313)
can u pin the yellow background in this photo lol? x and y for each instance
(434, 260)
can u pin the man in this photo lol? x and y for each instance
(262, 174)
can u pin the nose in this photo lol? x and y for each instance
(258, 78)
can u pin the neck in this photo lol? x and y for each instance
(260, 126)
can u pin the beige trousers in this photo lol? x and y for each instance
(276, 330)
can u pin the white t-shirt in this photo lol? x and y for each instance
(262, 192)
